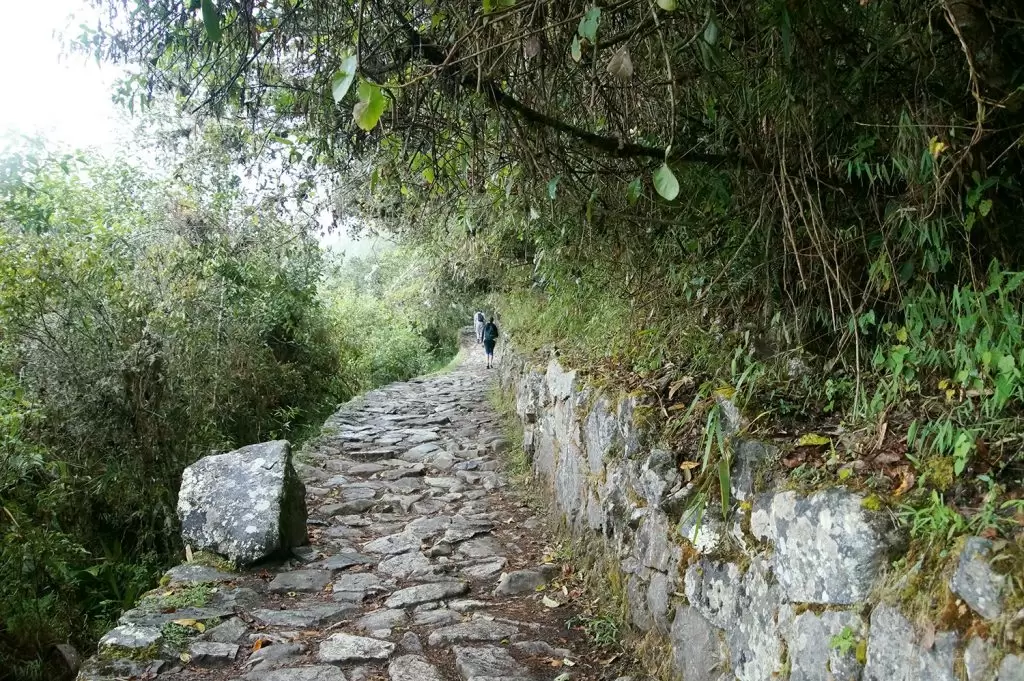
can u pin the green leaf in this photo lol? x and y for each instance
(985, 207)
(211, 20)
(553, 187)
(428, 175)
(711, 32)
(786, 30)
(1006, 364)
(577, 53)
(371, 106)
(961, 452)
(723, 484)
(589, 24)
(343, 78)
(812, 440)
(667, 5)
(494, 5)
(666, 183)
(634, 190)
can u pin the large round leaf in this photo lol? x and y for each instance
(589, 23)
(666, 183)
(371, 106)
(343, 78)
(667, 5)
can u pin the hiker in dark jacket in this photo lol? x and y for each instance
(490, 338)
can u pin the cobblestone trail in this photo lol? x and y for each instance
(422, 566)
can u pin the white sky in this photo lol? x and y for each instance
(66, 99)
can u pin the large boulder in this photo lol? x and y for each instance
(246, 505)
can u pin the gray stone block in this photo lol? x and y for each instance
(246, 505)
(976, 582)
(828, 548)
(699, 652)
(822, 647)
(894, 653)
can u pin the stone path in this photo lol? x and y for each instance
(422, 566)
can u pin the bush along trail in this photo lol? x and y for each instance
(421, 565)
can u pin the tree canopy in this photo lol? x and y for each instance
(858, 148)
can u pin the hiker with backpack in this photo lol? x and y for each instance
(490, 336)
(478, 326)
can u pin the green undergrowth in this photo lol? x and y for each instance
(928, 422)
(518, 464)
(927, 429)
(145, 324)
(605, 612)
(178, 597)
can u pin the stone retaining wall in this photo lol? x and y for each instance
(785, 589)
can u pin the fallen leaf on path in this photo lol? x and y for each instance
(191, 624)
(550, 602)
(907, 482)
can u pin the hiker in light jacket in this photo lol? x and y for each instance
(478, 326)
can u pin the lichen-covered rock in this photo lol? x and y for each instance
(730, 418)
(560, 382)
(828, 547)
(631, 429)
(212, 654)
(412, 668)
(531, 396)
(754, 644)
(976, 582)
(474, 630)
(131, 642)
(895, 654)
(744, 605)
(703, 528)
(570, 478)
(312, 673)
(636, 596)
(246, 505)
(659, 591)
(96, 669)
(748, 457)
(425, 593)
(488, 662)
(342, 648)
(713, 589)
(654, 545)
(600, 434)
(978, 660)
(657, 477)
(521, 582)
(823, 647)
(699, 652)
(1012, 668)
(194, 573)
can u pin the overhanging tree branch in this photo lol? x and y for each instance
(499, 99)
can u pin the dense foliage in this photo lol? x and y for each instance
(812, 205)
(143, 324)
